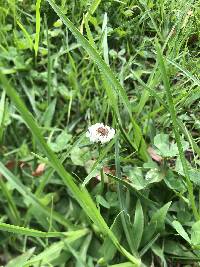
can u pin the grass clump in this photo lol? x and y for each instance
(65, 201)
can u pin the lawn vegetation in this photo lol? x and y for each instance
(133, 201)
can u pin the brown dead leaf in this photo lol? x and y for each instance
(154, 155)
(39, 170)
(15, 164)
(106, 170)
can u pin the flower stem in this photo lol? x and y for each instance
(101, 170)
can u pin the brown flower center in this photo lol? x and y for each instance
(102, 131)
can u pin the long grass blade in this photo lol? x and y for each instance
(32, 232)
(37, 34)
(121, 199)
(176, 131)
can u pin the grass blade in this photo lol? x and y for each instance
(31, 232)
(176, 131)
(121, 199)
(37, 34)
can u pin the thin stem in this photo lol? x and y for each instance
(101, 171)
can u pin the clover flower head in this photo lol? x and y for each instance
(100, 133)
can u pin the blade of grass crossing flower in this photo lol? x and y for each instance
(109, 75)
(176, 131)
(81, 195)
(37, 34)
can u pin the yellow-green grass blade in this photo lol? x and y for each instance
(37, 34)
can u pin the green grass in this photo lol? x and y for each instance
(133, 65)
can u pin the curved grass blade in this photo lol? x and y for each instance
(184, 71)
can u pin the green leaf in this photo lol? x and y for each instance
(195, 234)
(101, 200)
(138, 225)
(195, 176)
(21, 260)
(122, 204)
(176, 249)
(2, 114)
(136, 178)
(80, 156)
(154, 176)
(160, 253)
(161, 141)
(47, 117)
(174, 182)
(61, 142)
(30, 198)
(52, 252)
(104, 151)
(2, 105)
(179, 228)
(108, 249)
(157, 223)
(158, 218)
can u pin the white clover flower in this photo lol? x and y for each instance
(100, 133)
